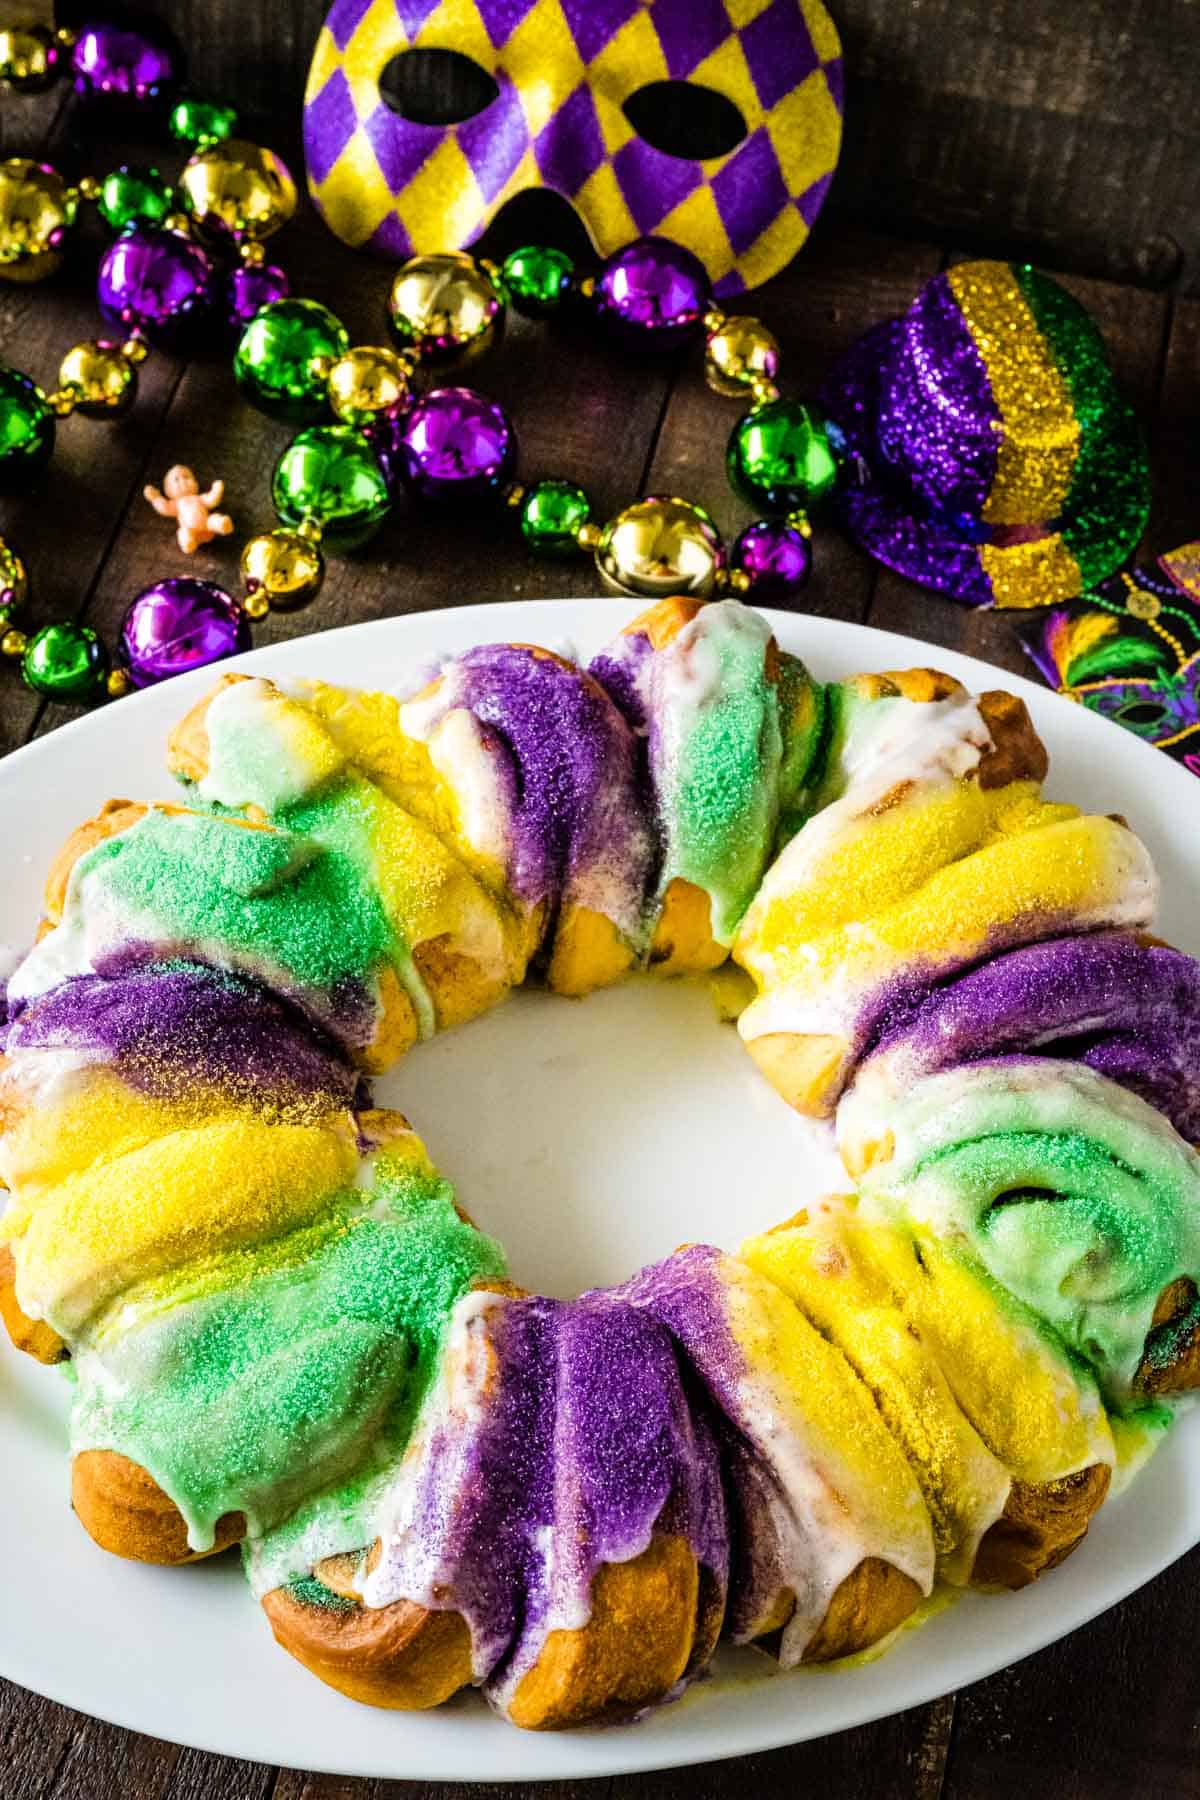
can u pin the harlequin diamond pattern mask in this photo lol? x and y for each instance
(564, 72)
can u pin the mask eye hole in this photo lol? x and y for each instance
(436, 87)
(1142, 712)
(685, 118)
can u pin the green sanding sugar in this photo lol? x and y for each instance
(267, 895)
(311, 1592)
(286, 1377)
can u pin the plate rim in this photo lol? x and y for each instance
(811, 636)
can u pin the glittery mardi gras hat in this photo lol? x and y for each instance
(989, 452)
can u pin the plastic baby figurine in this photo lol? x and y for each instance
(192, 510)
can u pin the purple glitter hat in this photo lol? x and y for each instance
(988, 453)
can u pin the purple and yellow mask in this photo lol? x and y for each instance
(568, 79)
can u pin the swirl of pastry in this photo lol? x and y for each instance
(544, 768)
(1125, 1005)
(918, 857)
(1076, 1196)
(730, 726)
(454, 946)
(559, 1506)
(831, 1537)
(1006, 1436)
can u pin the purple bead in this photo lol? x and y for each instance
(776, 557)
(251, 286)
(385, 434)
(125, 62)
(653, 293)
(455, 444)
(157, 282)
(180, 624)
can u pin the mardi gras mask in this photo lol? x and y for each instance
(1130, 650)
(562, 74)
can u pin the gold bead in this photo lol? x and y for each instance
(89, 188)
(514, 493)
(587, 287)
(713, 320)
(588, 536)
(14, 643)
(238, 187)
(62, 402)
(66, 38)
(27, 60)
(660, 546)
(737, 579)
(37, 209)
(739, 353)
(118, 684)
(763, 392)
(252, 253)
(14, 582)
(311, 529)
(101, 377)
(445, 307)
(135, 349)
(1143, 604)
(178, 222)
(799, 521)
(281, 569)
(366, 380)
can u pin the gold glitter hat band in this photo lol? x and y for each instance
(989, 454)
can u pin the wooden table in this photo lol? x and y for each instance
(1115, 1710)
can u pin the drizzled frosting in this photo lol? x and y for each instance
(558, 1439)
(816, 1482)
(1074, 1194)
(1126, 1008)
(705, 686)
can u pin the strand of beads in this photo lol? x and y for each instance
(452, 445)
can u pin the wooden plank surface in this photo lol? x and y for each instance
(1115, 1709)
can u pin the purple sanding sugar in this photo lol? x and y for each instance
(586, 1445)
(166, 1024)
(1128, 1009)
(579, 809)
(619, 668)
(686, 1294)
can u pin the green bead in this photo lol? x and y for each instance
(26, 430)
(537, 276)
(129, 196)
(779, 459)
(202, 122)
(283, 358)
(551, 515)
(329, 473)
(65, 662)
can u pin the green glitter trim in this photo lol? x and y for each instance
(310, 1592)
(1108, 501)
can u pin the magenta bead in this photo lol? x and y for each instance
(455, 444)
(157, 282)
(776, 557)
(139, 64)
(180, 623)
(653, 293)
(251, 286)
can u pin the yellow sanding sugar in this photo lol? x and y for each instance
(1031, 1408)
(878, 858)
(816, 1392)
(1062, 875)
(964, 1484)
(189, 1194)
